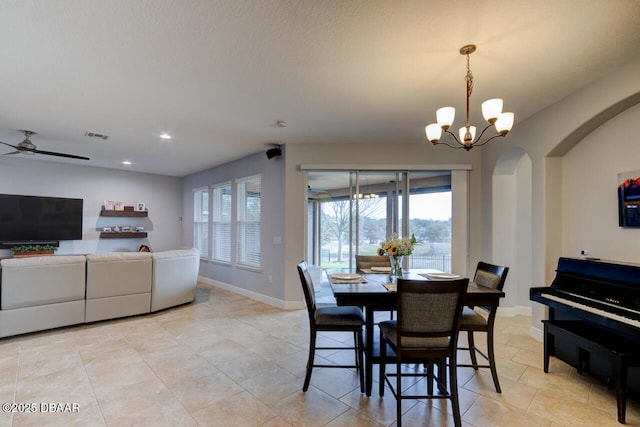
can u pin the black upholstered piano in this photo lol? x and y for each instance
(594, 322)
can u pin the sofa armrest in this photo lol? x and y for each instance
(175, 277)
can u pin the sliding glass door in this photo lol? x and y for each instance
(351, 212)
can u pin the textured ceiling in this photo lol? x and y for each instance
(218, 75)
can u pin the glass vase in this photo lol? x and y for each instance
(396, 266)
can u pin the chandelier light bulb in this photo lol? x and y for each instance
(504, 123)
(445, 117)
(467, 134)
(433, 131)
(491, 109)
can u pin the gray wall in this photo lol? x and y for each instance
(268, 283)
(162, 195)
(284, 213)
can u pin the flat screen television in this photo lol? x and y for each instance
(35, 219)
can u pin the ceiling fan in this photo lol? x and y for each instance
(27, 147)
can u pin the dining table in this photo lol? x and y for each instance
(375, 291)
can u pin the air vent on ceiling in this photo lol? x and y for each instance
(96, 135)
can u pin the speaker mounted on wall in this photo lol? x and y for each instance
(274, 152)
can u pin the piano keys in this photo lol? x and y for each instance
(594, 322)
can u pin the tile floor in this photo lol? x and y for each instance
(227, 360)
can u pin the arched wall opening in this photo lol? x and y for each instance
(511, 224)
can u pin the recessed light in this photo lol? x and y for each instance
(126, 162)
(165, 136)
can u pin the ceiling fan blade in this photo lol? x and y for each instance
(68, 156)
(12, 146)
(13, 152)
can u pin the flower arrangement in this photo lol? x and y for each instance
(396, 246)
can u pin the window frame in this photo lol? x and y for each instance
(248, 226)
(218, 212)
(199, 224)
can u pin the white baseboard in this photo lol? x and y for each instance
(537, 334)
(518, 310)
(284, 305)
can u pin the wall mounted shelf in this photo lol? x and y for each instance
(125, 213)
(128, 212)
(123, 235)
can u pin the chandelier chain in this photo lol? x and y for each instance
(469, 79)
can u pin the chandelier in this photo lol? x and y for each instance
(491, 110)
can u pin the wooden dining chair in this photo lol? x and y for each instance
(365, 262)
(490, 276)
(425, 333)
(331, 318)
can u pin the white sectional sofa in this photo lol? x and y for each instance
(118, 285)
(41, 293)
(174, 273)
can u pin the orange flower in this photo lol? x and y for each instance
(393, 250)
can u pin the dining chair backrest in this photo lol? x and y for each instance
(429, 310)
(307, 289)
(490, 276)
(365, 262)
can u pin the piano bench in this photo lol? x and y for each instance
(589, 339)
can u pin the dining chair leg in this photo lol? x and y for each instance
(383, 365)
(472, 349)
(442, 375)
(492, 360)
(355, 347)
(453, 386)
(360, 362)
(430, 377)
(398, 393)
(312, 353)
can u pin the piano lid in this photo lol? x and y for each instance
(606, 271)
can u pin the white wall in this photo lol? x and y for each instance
(548, 136)
(590, 198)
(162, 195)
(511, 224)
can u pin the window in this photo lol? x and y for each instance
(249, 207)
(221, 222)
(201, 221)
(351, 212)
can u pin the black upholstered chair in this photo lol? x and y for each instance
(425, 333)
(491, 276)
(331, 318)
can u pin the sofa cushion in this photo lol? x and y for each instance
(33, 281)
(114, 274)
